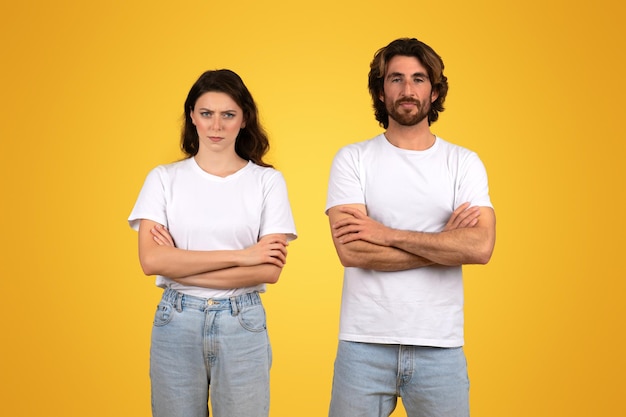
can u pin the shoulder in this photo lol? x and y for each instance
(359, 148)
(463, 161)
(184, 164)
(458, 152)
(258, 170)
(264, 174)
(452, 147)
(370, 143)
(166, 173)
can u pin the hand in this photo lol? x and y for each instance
(162, 236)
(463, 217)
(270, 249)
(358, 226)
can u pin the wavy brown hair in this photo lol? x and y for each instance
(426, 56)
(252, 142)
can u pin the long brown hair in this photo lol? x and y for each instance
(426, 56)
(252, 142)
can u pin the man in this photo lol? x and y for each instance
(407, 209)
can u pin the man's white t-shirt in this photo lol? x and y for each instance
(406, 190)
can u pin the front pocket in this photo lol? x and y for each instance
(252, 318)
(164, 314)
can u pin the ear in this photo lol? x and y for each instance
(193, 120)
(434, 95)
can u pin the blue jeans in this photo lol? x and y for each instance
(202, 346)
(369, 378)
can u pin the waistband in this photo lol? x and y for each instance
(235, 303)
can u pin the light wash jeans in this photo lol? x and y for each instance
(369, 378)
(202, 346)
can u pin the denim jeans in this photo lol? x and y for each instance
(205, 348)
(369, 378)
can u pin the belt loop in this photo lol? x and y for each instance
(179, 302)
(234, 308)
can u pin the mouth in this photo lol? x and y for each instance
(407, 106)
(215, 138)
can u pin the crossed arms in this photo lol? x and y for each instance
(467, 238)
(219, 269)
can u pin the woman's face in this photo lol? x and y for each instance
(218, 120)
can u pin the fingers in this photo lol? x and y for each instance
(268, 250)
(340, 230)
(280, 239)
(464, 216)
(276, 255)
(346, 222)
(162, 236)
(353, 211)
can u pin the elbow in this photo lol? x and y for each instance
(148, 271)
(484, 256)
(272, 279)
(483, 259)
(352, 255)
(148, 265)
(349, 261)
(272, 276)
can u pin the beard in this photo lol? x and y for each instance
(405, 118)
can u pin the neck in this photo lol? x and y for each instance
(220, 164)
(415, 138)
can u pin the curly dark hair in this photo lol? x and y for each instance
(252, 142)
(426, 56)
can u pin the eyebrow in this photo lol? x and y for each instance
(398, 74)
(223, 111)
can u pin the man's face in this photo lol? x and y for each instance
(407, 90)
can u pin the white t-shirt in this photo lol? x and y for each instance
(207, 212)
(407, 190)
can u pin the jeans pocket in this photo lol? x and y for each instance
(252, 318)
(164, 314)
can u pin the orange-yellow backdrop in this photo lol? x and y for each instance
(91, 99)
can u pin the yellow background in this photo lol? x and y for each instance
(91, 97)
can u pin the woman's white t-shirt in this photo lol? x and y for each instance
(207, 212)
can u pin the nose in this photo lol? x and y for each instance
(406, 88)
(216, 123)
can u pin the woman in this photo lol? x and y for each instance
(214, 229)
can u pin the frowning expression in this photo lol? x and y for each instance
(218, 120)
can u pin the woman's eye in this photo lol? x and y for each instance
(204, 114)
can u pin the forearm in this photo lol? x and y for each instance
(234, 277)
(158, 254)
(367, 255)
(467, 238)
(454, 247)
(176, 263)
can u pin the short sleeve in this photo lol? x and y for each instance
(276, 216)
(345, 180)
(151, 202)
(473, 185)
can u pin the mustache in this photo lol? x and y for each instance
(408, 100)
